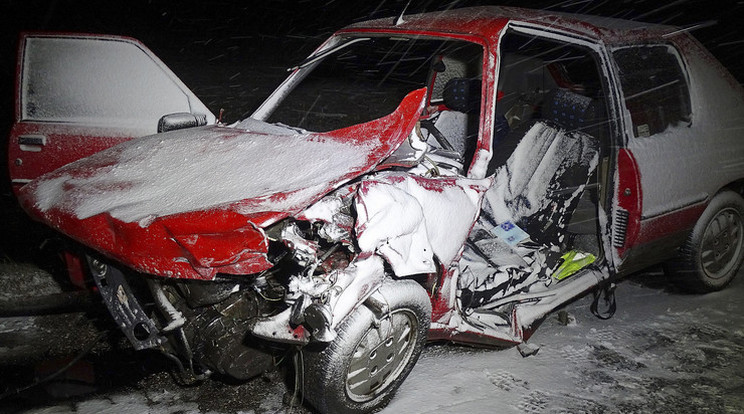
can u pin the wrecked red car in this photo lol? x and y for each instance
(445, 176)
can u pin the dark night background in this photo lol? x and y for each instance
(220, 48)
(214, 46)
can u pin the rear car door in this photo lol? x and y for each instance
(77, 94)
(659, 190)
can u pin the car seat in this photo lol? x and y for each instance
(460, 122)
(537, 190)
(539, 186)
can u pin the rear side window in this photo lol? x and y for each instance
(95, 81)
(655, 88)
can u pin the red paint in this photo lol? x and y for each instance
(200, 244)
(440, 302)
(668, 224)
(438, 184)
(469, 337)
(65, 141)
(629, 196)
(75, 271)
(65, 144)
(488, 22)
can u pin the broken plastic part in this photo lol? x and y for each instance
(304, 251)
(527, 350)
(319, 319)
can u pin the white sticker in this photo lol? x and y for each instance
(510, 233)
(644, 130)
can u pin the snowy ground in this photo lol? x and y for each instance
(663, 352)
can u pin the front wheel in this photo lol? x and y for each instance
(361, 369)
(713, 253)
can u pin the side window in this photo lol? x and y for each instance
(95, 81)
(655, 88)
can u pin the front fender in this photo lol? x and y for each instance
(409, 219)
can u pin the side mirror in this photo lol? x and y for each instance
(181, 120)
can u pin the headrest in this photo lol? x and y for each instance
(568, 109)
(462, 94)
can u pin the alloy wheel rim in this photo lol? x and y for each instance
(722, 244)
(381, 355)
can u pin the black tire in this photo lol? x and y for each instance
(713, 253)
(378, 372)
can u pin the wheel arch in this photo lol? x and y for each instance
(736, 186)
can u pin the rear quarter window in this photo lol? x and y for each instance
(654, 86)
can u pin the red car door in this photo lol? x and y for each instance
(77, 94)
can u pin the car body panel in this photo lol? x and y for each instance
(682, 168)
(105, 90)
(649, 190)
(402, 219)
(488, 23)
(126, 203)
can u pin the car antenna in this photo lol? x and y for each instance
(399, 19)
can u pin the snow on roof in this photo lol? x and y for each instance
(488, 21)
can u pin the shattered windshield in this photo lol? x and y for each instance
(365, 79)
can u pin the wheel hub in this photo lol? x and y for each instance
(722, 243)
(381, 355)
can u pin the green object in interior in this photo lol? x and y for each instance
(573, 261)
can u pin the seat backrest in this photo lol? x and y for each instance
(462, 94)
(460, 124)
(539, 186)
(569, 110)
(560, 108)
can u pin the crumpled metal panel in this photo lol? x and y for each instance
(199, 244)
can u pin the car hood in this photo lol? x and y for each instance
(221, 183)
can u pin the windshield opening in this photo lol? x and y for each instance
(366, 80)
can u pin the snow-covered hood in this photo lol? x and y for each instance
(209, 180)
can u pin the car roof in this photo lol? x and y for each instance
(488, 21)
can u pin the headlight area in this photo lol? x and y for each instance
(311, 262)
(234, 324)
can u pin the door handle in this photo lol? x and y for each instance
(32, 143)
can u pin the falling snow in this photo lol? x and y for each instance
(664, 352)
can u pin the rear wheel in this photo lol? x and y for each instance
(361, 369)
(713, 253)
